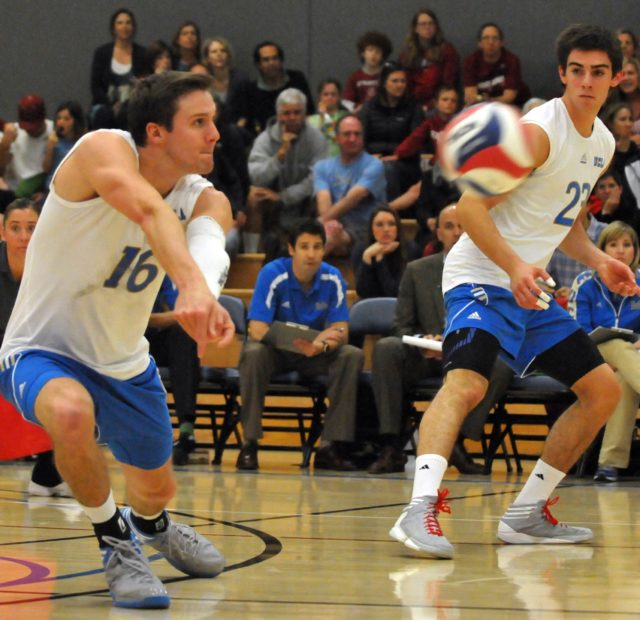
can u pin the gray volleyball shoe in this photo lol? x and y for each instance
(131, 582)
(530, 524)
(419, 529)
(183, 548)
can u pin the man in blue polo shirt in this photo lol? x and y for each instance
(347, 188)
(304, 290)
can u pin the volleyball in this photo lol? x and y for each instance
(485, 150)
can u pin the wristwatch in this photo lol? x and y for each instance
(325, 346)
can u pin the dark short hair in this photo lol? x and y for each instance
(329, 80)
(586, 37)
(309, 226)
(490, 25)
(611, 173)
(114, 16)
(154, 100)
(19, 204)
(377, 39)
(257, 48)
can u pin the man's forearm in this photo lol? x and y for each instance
(352, 199)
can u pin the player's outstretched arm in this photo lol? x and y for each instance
(105, 165)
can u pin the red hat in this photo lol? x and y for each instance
(31, 112)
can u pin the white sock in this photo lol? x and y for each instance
(250, 241)
(540, 484)
(430, 470)
(100, 514)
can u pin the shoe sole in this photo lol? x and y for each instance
(151, 602)
(509, 535)
(398, 534)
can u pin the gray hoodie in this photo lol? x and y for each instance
(292, 178)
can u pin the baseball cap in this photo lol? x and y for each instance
(31, 112)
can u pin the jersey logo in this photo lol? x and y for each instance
(181, 215)
(598, 161)
(583, 159)
(475, 316)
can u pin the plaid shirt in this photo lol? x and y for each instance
(564, 269)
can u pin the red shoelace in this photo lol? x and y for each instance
(431, 516)
(547, 512)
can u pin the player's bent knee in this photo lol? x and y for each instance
(66, 411)
(599, 393)
(467, 386)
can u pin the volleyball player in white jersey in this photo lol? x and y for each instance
(74, 357)
(495, 304)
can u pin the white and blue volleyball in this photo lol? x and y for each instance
(485, 150)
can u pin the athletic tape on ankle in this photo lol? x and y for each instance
(206, 241)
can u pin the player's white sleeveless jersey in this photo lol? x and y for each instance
(90, 281)
(537, 215)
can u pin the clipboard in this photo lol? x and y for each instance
(604, 334)
(423, 343)
(282, 334)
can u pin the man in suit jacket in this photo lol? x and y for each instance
(397, 366)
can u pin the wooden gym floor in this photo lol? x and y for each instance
(305, 545)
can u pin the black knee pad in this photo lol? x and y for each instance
(471, 349)
(570, 359)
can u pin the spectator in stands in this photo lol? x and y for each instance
(158, 58)
(347, 188)
(330, 111)
(281, 170)
(230, 173)
(628, 43)
(186, 46)
(430, 59)
(22, 148)
(563, 269)
(171, 346)
(610, 202)
(304, 290)
(629, 92)
(387, 120)
(594, 305)
(424, 138)
(362, 85)
(618, 117)
(19, 437)
(379, 262)
(492, 72)
(260, 96)
(397, 366)
(113, 68)
(228, 82)
(68, 129)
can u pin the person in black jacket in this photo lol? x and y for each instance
(113, 67)
(380, 261)
(259, 97)
(388, 120)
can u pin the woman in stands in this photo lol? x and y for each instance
(379, 262)
(593, 305)
(229, 83)
(113, 68)
(387, 120)
(186, 47)
(158, 58)
(20, 438)
(430, 59)
(68, 129)
(330, 111)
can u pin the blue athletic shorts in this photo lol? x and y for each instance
(522, 334)
(132, 417)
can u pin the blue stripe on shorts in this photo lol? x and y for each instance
(523, 334)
